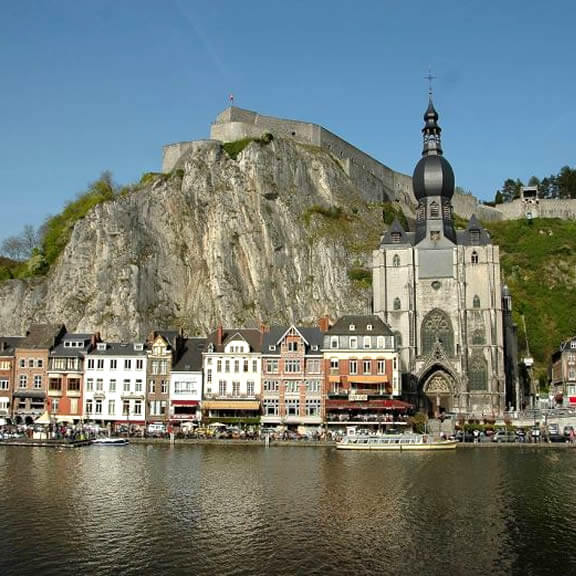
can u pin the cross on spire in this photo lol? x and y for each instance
(429, 77)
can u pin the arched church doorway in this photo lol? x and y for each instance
(437, 393)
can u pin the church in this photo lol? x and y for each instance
(439, 289)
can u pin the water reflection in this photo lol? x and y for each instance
(250, 510)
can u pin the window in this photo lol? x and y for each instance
(100, 364)
(272, 365)
(313, 386)
(138, 407)
(474, 258)
(353, 366)
(367, 342)
(380, 342)
(235, 388)
(90, 363)
(270, 407)
(292, 387)
(292, 366)
(250, 388)
(152, 387)
(396, 261)
(434, 210)
(334, 342)
(366, 366)
(55, 384)
(89, 385)
(397, 304)
(4, 365)
(474, 236)
(3, 384)
(333, 365)
(353, 342)
(98, 407)
(55, 405)
(437, 327)
(236, 366)
(293, 346)
(126, 386)
(209, 375)
(89, 406)
(127, 364)
(219, 365)
(222, 387)
(271, 386)
(396, 237)
(313, 407)
(313, 365)
(369, 327)
(292, 407)
(164, 388)
(112, 385)
(245, 365)
(352, 327)
(99, 384)
(138, 386)
(37, 382)
(140, 364)
(23, 382)
(126, 407)
(478, 372)
(254, 365)
(381, 367)
(573, 344)
(227, 366)
(22, 363)
(113, 364)
(435, 236)
(111, 407)
(73, 405)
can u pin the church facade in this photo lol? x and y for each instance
(439, 289)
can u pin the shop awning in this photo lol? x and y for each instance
(40, 394)
(384, 404)
(360, 379)
(185, 402)
(231, 405)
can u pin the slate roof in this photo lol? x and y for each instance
(312, 335)
(396, 228)
(342, 326)
(250, 335)
(190, 359)
(118, 349)
(63, 351)
(8, 344)
(465, 237)
(42, 336)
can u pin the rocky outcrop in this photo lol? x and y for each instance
(277, 234)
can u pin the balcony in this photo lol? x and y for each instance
(129, 395)
(215, 396)
(99, 395)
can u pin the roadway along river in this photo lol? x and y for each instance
(212, 510)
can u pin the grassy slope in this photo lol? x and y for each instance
(539, 265)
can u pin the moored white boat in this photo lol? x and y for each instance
(398, 442)
(107, 441)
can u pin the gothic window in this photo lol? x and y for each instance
(474, 257)
(476, 301)
(436, 326)
(434, 210)
(478, 372)
(396, 260)
(397, 304)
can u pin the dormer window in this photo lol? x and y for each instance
(352, 327)
(211, 347)
(434, 210)
(396, 237)
(272, 347)
(314, 347)
(101, 346)
(573, 344)
(138, 347)
(369, 327)
(334, 342)
(353, 342)
(475, 236)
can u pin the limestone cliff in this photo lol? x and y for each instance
(277, 234)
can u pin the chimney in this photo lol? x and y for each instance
(324, 323)
(219, 335)
(264, 328)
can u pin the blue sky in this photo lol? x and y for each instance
(89, 86)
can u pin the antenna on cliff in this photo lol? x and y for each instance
(429, 77)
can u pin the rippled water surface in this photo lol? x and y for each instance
(273, 511)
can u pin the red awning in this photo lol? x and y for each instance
(384, 404)
(185, 402)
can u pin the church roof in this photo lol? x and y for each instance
(396, 235)
(474, 235)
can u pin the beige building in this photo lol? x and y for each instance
(440, 291)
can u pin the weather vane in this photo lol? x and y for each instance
(429, 77)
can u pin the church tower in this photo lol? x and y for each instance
(439, 289)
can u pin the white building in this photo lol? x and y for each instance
(186, 382)
(232, 367)
(115, 384)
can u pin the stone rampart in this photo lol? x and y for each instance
(173, 152)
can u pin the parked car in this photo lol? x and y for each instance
(504, 436)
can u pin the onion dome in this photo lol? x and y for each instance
(433, 175)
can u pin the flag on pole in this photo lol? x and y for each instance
(231, 98)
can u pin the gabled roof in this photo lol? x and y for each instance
(42, 336)
(474, 235)
(250, 335)
(312, 337)
(190, 360)
(393, 232)
(8, 344)
(360, 323)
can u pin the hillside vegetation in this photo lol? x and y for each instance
(538, 261)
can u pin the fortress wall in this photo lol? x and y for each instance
(564, 209)
(173, 152)
(465, 205)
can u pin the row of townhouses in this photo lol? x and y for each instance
(292, 376)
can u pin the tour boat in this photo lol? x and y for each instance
(398, 442)
(107, 441)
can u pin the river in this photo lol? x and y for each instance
(213, 510)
